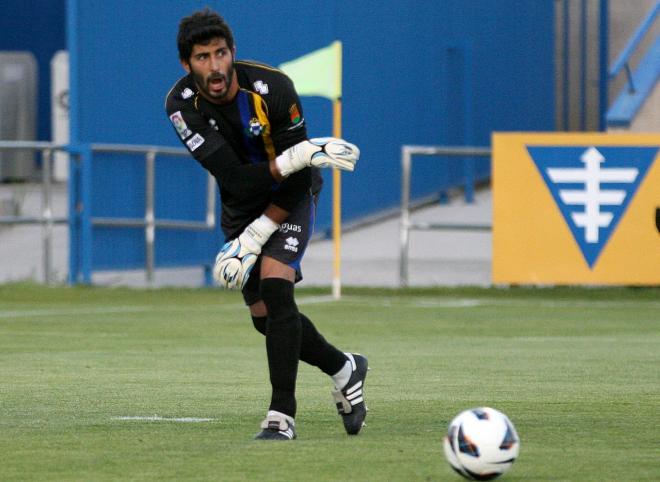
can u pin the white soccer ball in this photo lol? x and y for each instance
(481, 443)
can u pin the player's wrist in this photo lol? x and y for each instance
(296, 157)
(257, 233)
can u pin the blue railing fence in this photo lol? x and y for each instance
(623, 60)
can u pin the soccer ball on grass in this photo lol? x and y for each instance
(481, 444)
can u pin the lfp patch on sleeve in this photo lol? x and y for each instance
(180, 125)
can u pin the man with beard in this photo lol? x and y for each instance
(243, 122)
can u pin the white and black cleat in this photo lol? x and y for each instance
(350, 400)
(276, 427)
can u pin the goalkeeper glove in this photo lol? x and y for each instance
(237, 257)
(319, 152)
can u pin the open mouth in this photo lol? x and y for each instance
(217, 84)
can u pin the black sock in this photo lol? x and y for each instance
(314, 349)
(283, 338)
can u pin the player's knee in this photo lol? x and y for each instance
(277, 294)
(259, 323)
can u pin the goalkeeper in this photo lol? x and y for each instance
(243, 122)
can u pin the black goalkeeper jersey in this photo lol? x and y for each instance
(264, 119)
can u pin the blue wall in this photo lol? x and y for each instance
(36, 26)
(443, 72)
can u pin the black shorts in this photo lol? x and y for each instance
(286, 245)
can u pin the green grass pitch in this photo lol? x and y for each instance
(576, 370)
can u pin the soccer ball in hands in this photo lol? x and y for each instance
(481, 444)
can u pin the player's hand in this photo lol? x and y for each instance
(237, 257)
(319, 152)
(336, 153)
(231, 271)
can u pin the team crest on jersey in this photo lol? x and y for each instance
(592, 187)
(254, 127)
(294, 114)
(187, 93)
(180, 125)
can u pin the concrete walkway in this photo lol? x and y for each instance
(370, 255)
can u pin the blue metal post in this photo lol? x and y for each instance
(72, 47)
(468, 165)
(583, 65)
(566, 65)
(75, 155)
(603, 48)
(208, 275)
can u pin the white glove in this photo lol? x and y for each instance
(236, 259)
(319, 152)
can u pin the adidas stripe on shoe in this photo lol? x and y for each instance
(350, 399)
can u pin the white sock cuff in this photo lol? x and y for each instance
(275, 413)
(342, 377)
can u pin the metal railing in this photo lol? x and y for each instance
(623, 61)
(406, 225)
(148, 222)
(46, 220)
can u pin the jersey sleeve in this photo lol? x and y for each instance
(288, 130)
(196, 134)
(288, 123)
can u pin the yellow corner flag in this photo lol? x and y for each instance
(317, 73)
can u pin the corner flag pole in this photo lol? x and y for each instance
(336, 178)
(319, 73)
(336, 208)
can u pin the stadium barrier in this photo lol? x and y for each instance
(46, 220)
(406, 225)
(79, 219)
(81, 224)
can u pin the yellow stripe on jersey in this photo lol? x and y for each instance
(261, 109)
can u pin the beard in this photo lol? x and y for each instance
(204, 84)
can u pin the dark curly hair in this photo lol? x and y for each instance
(200, 28)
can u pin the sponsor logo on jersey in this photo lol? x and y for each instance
(294, 114)
(291, 244)
(261, 87)
(194, 142)
(592, 188)
(180, 125)
(254, 128)
(187, 93)
(294, 228)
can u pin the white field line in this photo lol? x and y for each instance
(428, 302)
(313, 300)
(73, 311)
(110, 310)
(156, 418)
(414, 302)
(377, 301)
